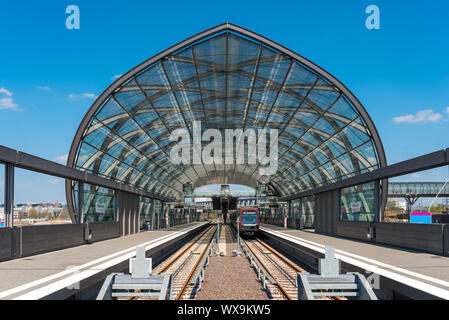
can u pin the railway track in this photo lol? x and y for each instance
(281, 270)
(184, 264)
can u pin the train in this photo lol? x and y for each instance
(249, 220)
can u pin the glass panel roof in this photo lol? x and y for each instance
(227, 81)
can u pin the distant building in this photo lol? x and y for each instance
(402, 204)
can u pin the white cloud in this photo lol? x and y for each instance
(447, 110)
(82, 95)
(45, 88)
(54, 181)
(116, 76)
(420, 116)
(62, 159)
(6, 101)
(89, 95)
(3, 90)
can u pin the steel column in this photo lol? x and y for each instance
(128, 213)
(377, 202)
(125, 213)
(137, 214)
(132, 227)
(158, 218)
(9, 195)
(120, 212)
(152, 214)
(301, 213)
(80, 202)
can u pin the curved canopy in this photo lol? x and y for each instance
(228, 78)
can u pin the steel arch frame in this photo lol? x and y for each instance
(198, 37)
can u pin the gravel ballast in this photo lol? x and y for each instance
(230, 277)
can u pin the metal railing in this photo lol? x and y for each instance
(16, 159)
(262, 273)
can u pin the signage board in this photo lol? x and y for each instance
(100, 207)
(420, 217)
(356, 206)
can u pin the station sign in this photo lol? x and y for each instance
(356, 206)
(100, 207)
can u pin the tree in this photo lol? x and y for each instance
(436, 209)
(33, 213)
(64, 214)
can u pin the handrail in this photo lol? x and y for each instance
(425, 162)
(33, 163)
(254, 259)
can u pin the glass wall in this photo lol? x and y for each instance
(308, 212)
(38, 199)
(145, 213)
(99, 203)
(357, 203)
(412, 198)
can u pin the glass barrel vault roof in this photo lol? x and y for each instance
(227, 80)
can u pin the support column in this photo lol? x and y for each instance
(163, 214)
(125, 213)
(377, 202)
(128, 213)
(137, 205)
(152, 214)
(121, 212)
(291, 214)
(9, 195)
(132, 213)
(301, 213)
(158, 218)
(80, 202)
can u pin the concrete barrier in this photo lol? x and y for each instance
(416, 236)
(446, 240)
(353, 229)
(99, 231)
(39, 239)
(5, 243)
(432, 238)
(29, 240)
(90, 285)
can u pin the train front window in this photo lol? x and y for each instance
(249, 217)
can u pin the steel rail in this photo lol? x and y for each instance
(177, 257)
(180, 254)
(290, 264)
(246, 249)
(192, 272)
(277, 254)
(281, 288)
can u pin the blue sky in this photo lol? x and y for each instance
(49, 75)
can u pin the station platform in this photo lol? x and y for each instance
(425, 272)
(40, 276)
